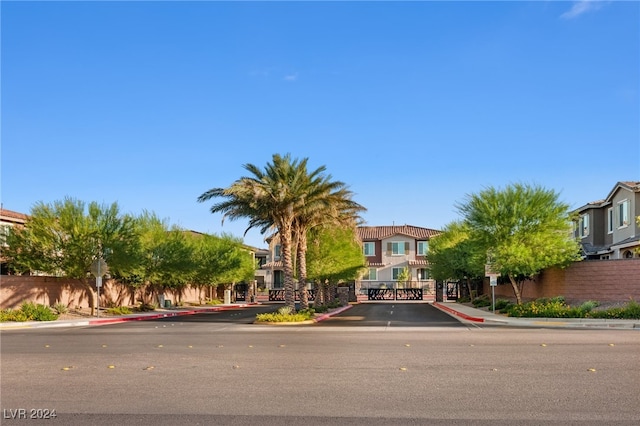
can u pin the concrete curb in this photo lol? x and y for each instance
(457, 313)
(115, 320)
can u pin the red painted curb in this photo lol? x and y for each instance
(162, 315)
(457, 313)
(330, 314)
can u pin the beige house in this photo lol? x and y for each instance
(607, 229)
(395, 258)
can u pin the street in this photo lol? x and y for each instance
(356, 368)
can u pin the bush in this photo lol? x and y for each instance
(282, 316)
(12, 315)
(589, 306)
(60, 308)
(502, 304)
(119, 310)
(37, 312)
(214, 302)
(557, 308)
(482, 301)
(146, 307)
(630, 311)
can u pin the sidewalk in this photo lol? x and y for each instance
(473, 315)
(139, 316)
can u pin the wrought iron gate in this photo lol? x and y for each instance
(394, 294)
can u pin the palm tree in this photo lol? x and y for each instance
(269, 199)
(327, 204)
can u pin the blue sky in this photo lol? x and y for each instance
(414, 105)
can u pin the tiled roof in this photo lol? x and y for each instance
(277, 264)
(418, 262)
(372, 264)
(633, 185)
(381, 232)
(12, 214)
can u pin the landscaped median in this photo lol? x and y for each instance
(285, 316)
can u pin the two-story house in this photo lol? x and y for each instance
(396, 257)
(607, 229)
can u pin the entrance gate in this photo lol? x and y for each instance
(394, 294)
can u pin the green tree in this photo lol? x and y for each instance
(523, 228)
(165, 257)
(453, 255)
(65, 237)
(221, 260)
(334, 255)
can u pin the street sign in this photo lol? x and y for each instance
(99, 268)
(488, 270)
(493, 280)
(98, 282)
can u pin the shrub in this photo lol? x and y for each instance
(285, 310)
(146, 307)
(589, 306)
(557, 308)
(320, 309)
(482, 301)
(12, 315)
(285, 317)
(119, 310)
(502, 304)
(38, 312)
(60, 308)
(630, 311)
(214, 302)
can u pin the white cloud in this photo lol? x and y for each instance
(291, 77)
(581, 7)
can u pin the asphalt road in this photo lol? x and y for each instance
(219, 369)
(392, 314)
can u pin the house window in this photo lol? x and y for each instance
(369, 248)
(610, 221)
(398, 248)
(396, 272)
(276, 252)
(623, 213)
(584, 225)
(423, 247)
(423, 274)
(371, 275)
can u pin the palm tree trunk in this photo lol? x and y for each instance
(289, 290)
(302, 271)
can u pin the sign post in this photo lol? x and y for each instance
(99, 269)
(493, 282)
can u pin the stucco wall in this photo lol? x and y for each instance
(616, 280)
(51, 290)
